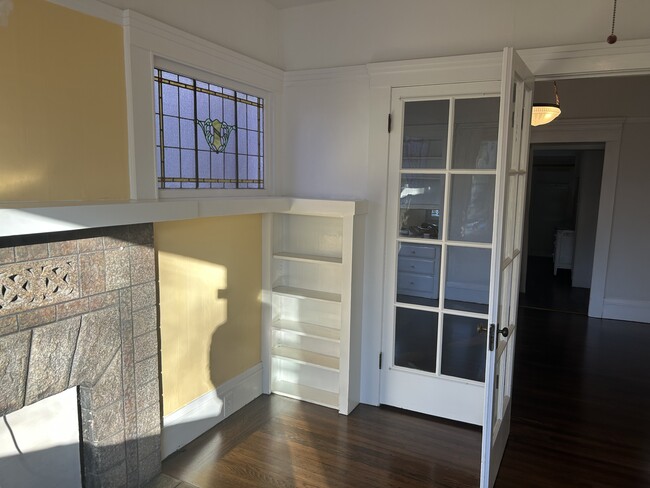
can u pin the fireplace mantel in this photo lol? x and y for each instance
(22, 218)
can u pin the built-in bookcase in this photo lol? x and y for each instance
(312, 337)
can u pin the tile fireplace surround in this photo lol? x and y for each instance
(79, 308)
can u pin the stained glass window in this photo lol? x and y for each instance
(207, 136)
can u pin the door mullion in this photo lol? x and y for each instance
(444, 233)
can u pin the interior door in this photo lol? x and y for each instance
(517, 95)
(443, 173)
(450, 157)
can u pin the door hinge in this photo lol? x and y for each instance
(380, 355)
(390, 123)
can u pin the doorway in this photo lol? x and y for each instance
(562, 217)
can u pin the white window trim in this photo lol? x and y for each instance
(148, 44)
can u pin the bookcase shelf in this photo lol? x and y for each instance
(314, 320)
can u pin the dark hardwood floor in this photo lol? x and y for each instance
(280, 442)
(581, 418)
(581, 403)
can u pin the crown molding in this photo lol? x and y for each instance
(93, 8)
(588, 60)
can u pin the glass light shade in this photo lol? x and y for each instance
(544, 113)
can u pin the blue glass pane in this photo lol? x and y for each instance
(216, 108)
(204, 185)
(226, 91)
(204, 164)
(243, 168)
(253, 168)
(202, 106)
(170, 100)
(169, 76)
(187, 133)
(252, 117)
(217, 165)
(241, 116)
(186, 80)
(229, 111)
(172, 185)
(201, 84)
(242, 141)
(216, 88)
(186, 103)
(230, 169)
(253, 139)
(172, 163)
(170, 126)
(188, 164)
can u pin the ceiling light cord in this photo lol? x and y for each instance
(611, 39)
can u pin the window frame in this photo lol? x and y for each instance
(151, 44)
(208, 77)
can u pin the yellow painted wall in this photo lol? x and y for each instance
(63, 132)
(210, 303)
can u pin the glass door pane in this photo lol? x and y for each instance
(471, 208)
(467, 283)
(476, 130)
(463, 347)
(421, 205)
(416, 339)
(418, 274)
(424, 143)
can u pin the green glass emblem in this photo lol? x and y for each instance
(216, 133)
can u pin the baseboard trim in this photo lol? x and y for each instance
(200, 415)
(632, 310)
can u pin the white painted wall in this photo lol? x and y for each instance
(629, 264)
(591, 169)
(325, 137)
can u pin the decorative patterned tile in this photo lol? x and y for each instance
(29, 285)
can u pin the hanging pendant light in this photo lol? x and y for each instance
(543, 113)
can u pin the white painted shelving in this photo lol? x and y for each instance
(314, 256)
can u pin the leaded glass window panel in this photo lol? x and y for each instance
(207, 136)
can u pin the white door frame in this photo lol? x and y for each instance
(609, 131)
(560, 62)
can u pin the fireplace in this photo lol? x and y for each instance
(79, 309)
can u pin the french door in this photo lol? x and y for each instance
(456, 187)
